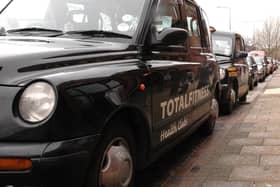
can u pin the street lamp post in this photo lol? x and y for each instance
(229, 11)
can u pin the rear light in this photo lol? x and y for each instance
(232, 72)
(232, 69)
(11, 164)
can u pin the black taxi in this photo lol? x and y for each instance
(91, 91)
(229, 48)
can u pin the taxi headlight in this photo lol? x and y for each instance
(222, 73)
(37, 102)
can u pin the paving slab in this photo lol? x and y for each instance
(267, 184)
(271, 141)
(233, 149)
(181, 182)
(264, 135)
(273, 127)
(270, 160)
(233, 160)
(261, 150)
(255, 173)
(245, 141)
(226, 184)
(253, 129)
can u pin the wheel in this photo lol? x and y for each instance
(251, 85)
(256, 83)
(243, 98)
(113, 164)
(208, 127)
(227, 108)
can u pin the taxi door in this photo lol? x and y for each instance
(173, 75)
(201, 55)
(241, 64)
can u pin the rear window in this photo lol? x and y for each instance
(222, 45)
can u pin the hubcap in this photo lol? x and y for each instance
(214, 112)
(233, 96)
(215, 108)
(117, 165)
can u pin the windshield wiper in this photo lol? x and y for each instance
(34, 29)
(100, 33)
(224, 55)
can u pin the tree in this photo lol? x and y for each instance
(268, 38)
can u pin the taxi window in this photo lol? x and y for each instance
(3, 4)
(192, 23)
(122, 16)
(167, 15)
(206, 35)
(222, 45)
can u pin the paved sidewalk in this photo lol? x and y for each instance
(247, 155)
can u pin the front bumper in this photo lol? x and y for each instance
(54, 164)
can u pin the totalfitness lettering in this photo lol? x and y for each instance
(182, 102)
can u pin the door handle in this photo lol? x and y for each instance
(207, 55)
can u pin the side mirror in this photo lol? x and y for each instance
(241, 54)
(212, 29)
(172, 36)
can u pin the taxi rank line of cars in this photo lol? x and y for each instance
(91, 91)
(229, 49)
(253, 72)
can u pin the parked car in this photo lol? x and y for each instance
(269, 65)
(275, 65)
(263, 56)
(253, 72)
(229, 49)
(92, 91)
(261, 68)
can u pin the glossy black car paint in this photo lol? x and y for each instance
(239, 82)
(96, 81)
(253, 72)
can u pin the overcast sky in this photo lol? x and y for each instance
(2, 2)
(246, 14)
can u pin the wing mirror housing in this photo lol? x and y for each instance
(241, 54)
(172, 36)
(212, 29)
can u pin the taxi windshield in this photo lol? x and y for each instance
(222, 45)
(259, 61)
(113, 16)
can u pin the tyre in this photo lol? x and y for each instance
(209, 125)
(113, 164)
(227, 108)
(256, 83)
(243, 98)
(251, 85)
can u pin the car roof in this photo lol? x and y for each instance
(228, 34)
